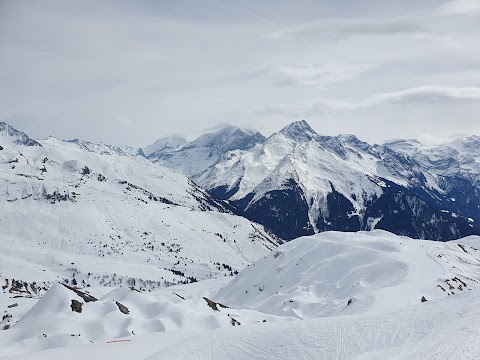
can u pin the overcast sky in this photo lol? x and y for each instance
(129, 72)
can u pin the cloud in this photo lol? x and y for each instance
(307, 108)
(425, 94)
(316, 75)
(342, 28)
(421, 95)
(410, 113)
(129, 72)
(460, 7)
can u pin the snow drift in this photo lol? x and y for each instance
(337, 273)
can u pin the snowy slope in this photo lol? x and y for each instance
(317, 276)
(107, 149)
(433, 330)
(293, 303)
(96, 218)
(119, 313)
(436, 330)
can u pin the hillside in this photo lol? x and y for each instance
(367, 295)
(93, 217)
(335, 273)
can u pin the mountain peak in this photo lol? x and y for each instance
(171, 143)
(227, 138)
(299, 130)
(196, 156)
(17, 137)
(222, 131)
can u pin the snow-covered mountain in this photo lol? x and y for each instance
(102, 148)
(455, 165)
(10, 135)
(369, 295)
(96, 217)
(191, 158)
(297, 182)
(161, 146)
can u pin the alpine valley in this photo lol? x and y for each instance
(239, 246)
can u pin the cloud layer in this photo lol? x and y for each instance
(130, 72)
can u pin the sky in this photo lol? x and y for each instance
(130, 72)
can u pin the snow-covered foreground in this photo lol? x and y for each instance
(329, 296)
(434, 330)
(375, 271)
(439, 330)
(63, 317)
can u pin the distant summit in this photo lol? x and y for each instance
(165, 144)
(9, 134)
(299, 131)
(192, 158)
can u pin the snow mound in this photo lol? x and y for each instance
(67, 316)
(337, 273)
(334, 295)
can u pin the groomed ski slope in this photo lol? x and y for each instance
(447, 329)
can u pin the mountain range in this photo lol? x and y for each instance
(120, 252)
(65, 199)
(297, 182)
